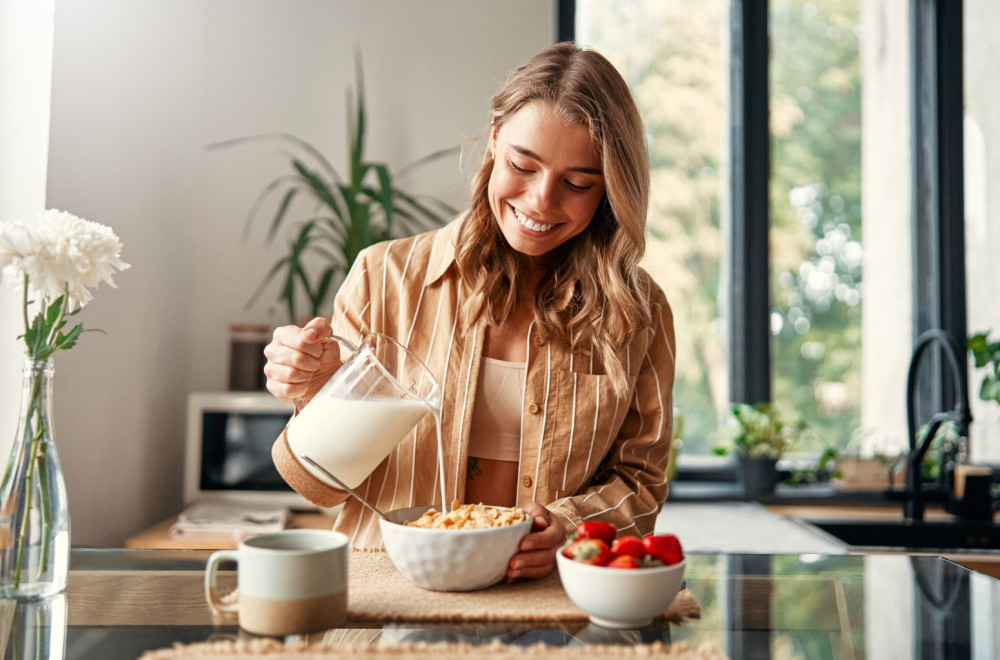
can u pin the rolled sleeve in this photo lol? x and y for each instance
(630, 485)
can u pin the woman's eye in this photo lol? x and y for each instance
(572, 186)
(514, 166)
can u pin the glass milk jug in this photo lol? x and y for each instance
(366, 408)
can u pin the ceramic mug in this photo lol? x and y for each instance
(288, 582)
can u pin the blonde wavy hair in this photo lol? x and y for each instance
(609, 303)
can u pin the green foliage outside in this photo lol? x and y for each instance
(816, 214)
(673, 54)
(987, 355)
(763, 432)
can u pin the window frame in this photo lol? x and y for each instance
(938, 206)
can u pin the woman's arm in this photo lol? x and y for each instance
(630, 484)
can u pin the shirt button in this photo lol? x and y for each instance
(539, 340)
(527, 482)
(533, 409)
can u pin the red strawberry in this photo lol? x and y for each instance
(664, 547)
(623, 561)
(595, 530)
(628, 545)
(589, 551)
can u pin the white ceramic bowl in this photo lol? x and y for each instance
(620, 597)
(450, 559)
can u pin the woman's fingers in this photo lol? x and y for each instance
(537, 557)
(531, 565)
(300, 360)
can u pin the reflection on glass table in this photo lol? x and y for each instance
(122, 603)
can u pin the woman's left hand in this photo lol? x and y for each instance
(538, 548)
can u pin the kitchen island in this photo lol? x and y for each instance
(123, 603)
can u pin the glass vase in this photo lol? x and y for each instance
(34, 513)
(38, 630)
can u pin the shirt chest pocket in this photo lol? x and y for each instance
(589, 415)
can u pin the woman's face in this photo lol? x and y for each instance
(546, 182)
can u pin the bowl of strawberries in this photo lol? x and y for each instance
(620, 581)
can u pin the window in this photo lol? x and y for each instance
(816, 239)
(843, 297)
(982, 204)
(679, 79)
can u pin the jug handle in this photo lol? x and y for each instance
(345, 342)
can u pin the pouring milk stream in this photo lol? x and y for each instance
(366, 408)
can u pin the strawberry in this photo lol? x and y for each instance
(628, 545)
(595, 530)
(664, 547)
(589, 551)
(623, 561)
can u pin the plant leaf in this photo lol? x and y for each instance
(68, 340)
(280, 215)
(429, 158)
(287, 137)
(259, 201)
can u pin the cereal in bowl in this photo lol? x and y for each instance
(468, 516)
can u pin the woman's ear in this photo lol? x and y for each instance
(493, 142)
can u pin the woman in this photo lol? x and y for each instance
(554, 349)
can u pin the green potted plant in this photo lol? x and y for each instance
(762, 437)
(987, 355)
(871, 465)
(348, 213)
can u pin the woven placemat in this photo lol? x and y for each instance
(377, 591)
(266, 649)
(378, 594)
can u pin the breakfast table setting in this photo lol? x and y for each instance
(151, 604)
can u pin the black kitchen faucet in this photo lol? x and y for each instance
(960, 416)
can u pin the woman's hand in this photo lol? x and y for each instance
(299, 361)
(538, 548)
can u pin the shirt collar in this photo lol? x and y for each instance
(446, 238)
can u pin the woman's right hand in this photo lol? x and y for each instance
(301, 360)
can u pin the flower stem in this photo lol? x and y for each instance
(35, 410)
(46, 508)
(24, 307)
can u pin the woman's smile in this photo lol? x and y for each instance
(530, 224)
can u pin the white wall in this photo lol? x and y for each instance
(25, 74)
(138, 90)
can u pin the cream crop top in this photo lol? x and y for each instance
(496, 416)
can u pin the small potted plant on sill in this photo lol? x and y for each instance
(871, 465)
(762, 437)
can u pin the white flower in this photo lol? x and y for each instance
(60, 252)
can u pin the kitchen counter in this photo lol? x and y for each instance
(121, 603)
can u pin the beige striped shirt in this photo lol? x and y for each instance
(586, 454)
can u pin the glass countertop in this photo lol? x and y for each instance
(753, 606)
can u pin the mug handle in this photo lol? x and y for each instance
(211, 579)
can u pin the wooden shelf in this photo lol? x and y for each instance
(158, 536)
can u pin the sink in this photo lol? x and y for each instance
(917, 535)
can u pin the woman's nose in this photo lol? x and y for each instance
(542, 193)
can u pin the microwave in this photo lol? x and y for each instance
(227, 456)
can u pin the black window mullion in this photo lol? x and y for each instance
(749, 206)
(938, 172)
(566, 21)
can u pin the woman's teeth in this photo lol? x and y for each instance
(530, 224)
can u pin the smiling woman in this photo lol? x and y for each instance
(555, 351)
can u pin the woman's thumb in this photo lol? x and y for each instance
(316, 329)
